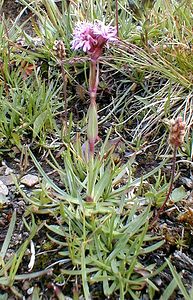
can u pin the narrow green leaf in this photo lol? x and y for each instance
(132, 228)
(8, 236)
(50, 182)
(78, 272)
(35, 294)
(153, 247)
(84, 274)
(39, 123)
(19, 254)
(178, 281)
(101, 185)
(27, 276)
(56, 229)
(169, 290)
(105, 284)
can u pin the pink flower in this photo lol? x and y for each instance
(83, 36)
(108, 32)
(92, 37)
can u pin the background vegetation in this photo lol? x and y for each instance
(104, 248)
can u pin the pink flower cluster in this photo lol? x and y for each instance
(92, 37)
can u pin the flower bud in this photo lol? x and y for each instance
(59, 48)
(177, 132)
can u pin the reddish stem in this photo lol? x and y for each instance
(91, 147)
(64, 77)
(169, 190)
(93, 80)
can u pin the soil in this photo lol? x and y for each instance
(11, 9)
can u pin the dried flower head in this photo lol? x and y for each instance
(177, 132)
(92, 37)
(59, 48)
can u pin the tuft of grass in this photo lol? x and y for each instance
(28, 113)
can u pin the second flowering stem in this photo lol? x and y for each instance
(169, 190)
(176, 139)
(64, 78)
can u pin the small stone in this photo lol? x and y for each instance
(187, 181)
(30, 180)
(30, 290)
(7, 180)
(3, 189)
(2, 170)
(8, 171)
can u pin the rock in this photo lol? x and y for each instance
(187, 181)
(2, 170)
(3, 189)
(7, 170)
(7, 180)
(30, 180)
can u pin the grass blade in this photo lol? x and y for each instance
(178, 281)
(169, 290)
(84, 275)
(8, 236)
